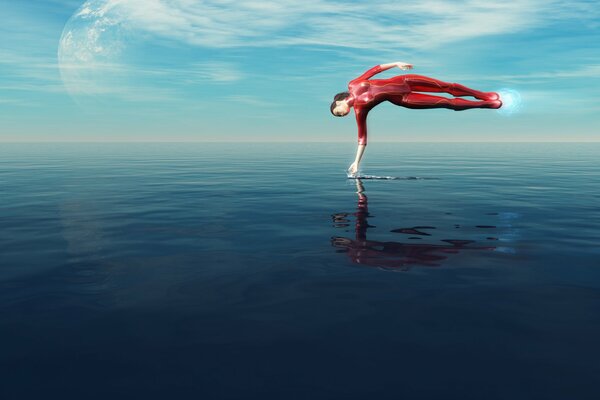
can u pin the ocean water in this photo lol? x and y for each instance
(259, 271)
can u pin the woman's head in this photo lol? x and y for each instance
(340, 106)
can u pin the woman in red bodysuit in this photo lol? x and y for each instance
(403, 90)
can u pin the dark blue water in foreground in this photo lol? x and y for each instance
(256, 271)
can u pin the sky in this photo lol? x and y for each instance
(258, 70)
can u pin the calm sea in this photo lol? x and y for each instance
(259, 271)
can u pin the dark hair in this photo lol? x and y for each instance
(338, 97)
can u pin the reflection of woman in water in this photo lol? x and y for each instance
(391, 255)
(403, 90)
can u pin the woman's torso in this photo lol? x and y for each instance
(368, 93)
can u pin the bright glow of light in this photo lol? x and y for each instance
(511, 101)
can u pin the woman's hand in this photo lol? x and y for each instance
(353, 169)
(404, 66)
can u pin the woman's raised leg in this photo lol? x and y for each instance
(420, 83)
(421, 101)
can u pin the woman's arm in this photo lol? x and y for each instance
(361, 123)
(382, 67)
(359, 153)
(399, 64)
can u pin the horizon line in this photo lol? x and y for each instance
(292, 141)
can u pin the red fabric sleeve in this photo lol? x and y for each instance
(361, 122)
(370, 73)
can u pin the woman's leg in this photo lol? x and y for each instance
(420, 100)
(420, 83)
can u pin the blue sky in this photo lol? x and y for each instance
(178, 70)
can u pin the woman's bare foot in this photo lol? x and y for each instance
(495, 103)
(492, 96)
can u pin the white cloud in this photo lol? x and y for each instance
(213, 71)
(585, 71)
(250, 100)
(385, 25)
(14, 102)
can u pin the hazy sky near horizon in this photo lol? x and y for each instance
(176, 70)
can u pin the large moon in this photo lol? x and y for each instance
(91, 51)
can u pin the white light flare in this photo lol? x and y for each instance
(511, 101)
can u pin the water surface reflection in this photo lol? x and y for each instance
(396, 255)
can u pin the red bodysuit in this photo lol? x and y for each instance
(401, 90)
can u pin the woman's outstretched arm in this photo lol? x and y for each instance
(383, 67)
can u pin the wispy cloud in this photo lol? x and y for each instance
(14, 102)
(29, 73)
(213, 71)
(250, 100)
(153, 83)
(585, 71)
(388, 24)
